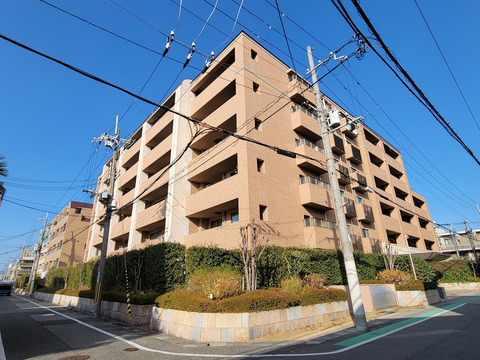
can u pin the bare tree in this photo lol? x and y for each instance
(389, 256)
(251, 248)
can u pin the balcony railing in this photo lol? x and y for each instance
(320, 223)
(315, 181)
(308, 143)
(356, 241)
(449, 246)
(306, 111)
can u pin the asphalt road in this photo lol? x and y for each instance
(35, 330)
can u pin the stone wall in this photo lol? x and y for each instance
(418, 298)
(449, 287)
(141, 314)
(209, 327)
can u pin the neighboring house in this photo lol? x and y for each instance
(221, 183)
(23, 266)
(460, 241)
(67, 238)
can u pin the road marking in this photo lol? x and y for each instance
(390, 329)
(2, 350)
(365, 340)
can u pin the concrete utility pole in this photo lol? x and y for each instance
(107, 198)
(350, 267)
(410, 255)
(38, 250)
(455, 245)
(470, 235)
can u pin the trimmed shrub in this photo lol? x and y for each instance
(423, 269)
(453, 271)
(251, 301)
(396, 277)
(314, 281)
(293, 285)
(221, 282)
(202, 257)
(417, 286)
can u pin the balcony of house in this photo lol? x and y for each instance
(221, 157)
(100, 216)
(159, 130)
(365, 213)
(401, 198)
(126, 198)
(224, 118)
(349, 208)
(379, 173)
(343, 175)
(307, 148)
(214, 96)
(410, 229)
(209, 201)
(353, 154)
(320, 233)
(155, 187)
(426, 233)
(359, 182)
(375, 150)
(152, 217)
(399, 184)
(419, 205)
(120, 229)
(127, 179)
(305, 123)
(299, 89)
(315, 193)
(446, 244)
(391, 224)
(130, 154)
(105, 177)
(159, 156)
(356, 242)
(337, 144)
(227, 236)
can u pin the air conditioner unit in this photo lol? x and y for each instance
(333, 120)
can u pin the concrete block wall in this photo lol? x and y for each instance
(418, 298)
(141, 314)
(209, 327)
(449, 287)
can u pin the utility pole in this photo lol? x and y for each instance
(470, 234)
(107, 198)
(352, 277)
(410, 255)
(37, 249)
(455, 245)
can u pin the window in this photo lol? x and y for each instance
(261, 166)
(358, 200)
(234, 217)
(255, 87)
(258, 124)
(342, 193)
(263, 213)
(365, 233)
(78, 210)
(253, 54)
(216, 223)
(156, 235)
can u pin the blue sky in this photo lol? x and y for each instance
(49, 114)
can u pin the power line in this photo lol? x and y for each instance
(446, 63)
(285, 35)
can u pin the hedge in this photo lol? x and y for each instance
(454, 271)
(423, 269)
(251, 301)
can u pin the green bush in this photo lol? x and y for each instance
(417, 286)
(292, 285)
(251, 301)
(221, 282)
(423, 269)
(207, 257)
(453, 271)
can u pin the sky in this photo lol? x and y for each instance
(49, 114)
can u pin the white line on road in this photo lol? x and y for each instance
(140, 347)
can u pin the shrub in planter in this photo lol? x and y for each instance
(417, 286)
(221, 282)
(292, 285)
(395, 277)
(314, 281)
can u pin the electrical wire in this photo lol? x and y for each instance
(233, 27)
(280, 14)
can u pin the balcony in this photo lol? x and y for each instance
(120, 229)
(150, 218)
(127, 179)
(161, 129)
(152, 189)
(391, 224)
(97, 239)
(130, 155)
(342, 174)
(356, 241)
(315, 193)
(220, 158)
(215, 95)
(320, 233)
(126, 199)
(349, 208)
(337, 144)
(214, 199)
(360, 182)
(298, 89)
(427, 234)
(158, 157)
(353, 154)
(305, 123)
(365, 213)
(400, 184)
(318, 166)
(410, 229)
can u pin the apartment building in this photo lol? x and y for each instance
(218, 182)
(23, 266)
(67, 238)
(463, 242)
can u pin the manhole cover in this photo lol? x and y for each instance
(76, 357)
(130, 349)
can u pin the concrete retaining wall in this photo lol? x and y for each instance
(418, 298)
(449, 287)
(141, 314)
(209, 327)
